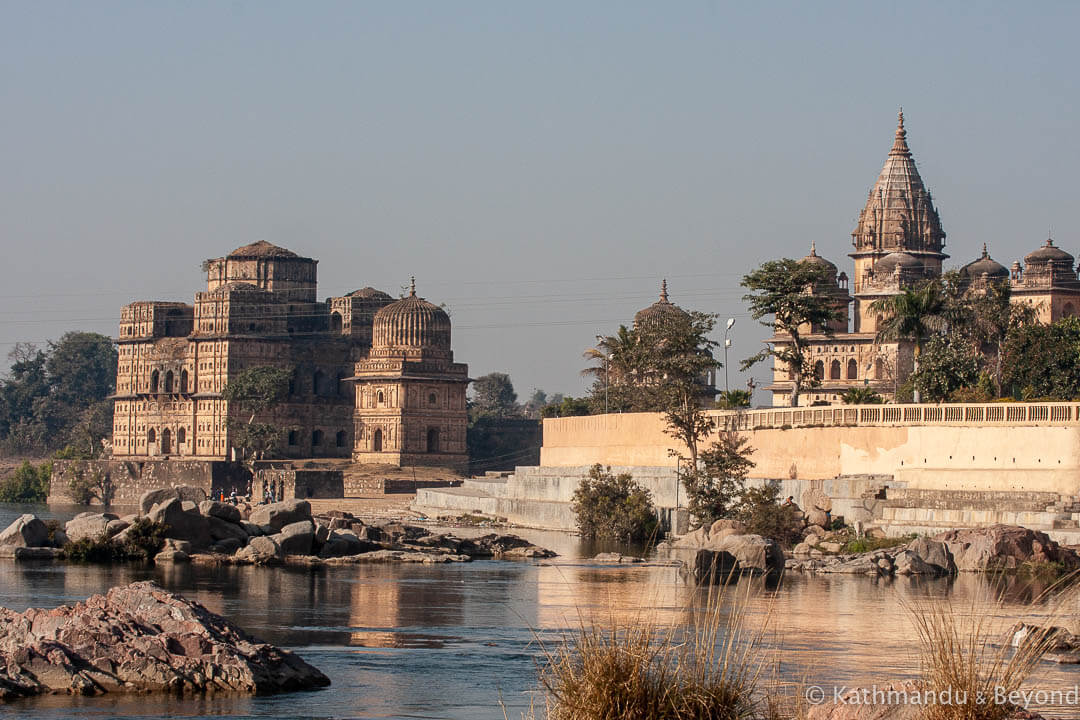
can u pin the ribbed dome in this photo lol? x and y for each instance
(1048, 253)
(985, 265)
(816, 259)
(659, 312)
(412, 322)
(369, 293)
(890, 262)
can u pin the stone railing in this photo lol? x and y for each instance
(886, 415)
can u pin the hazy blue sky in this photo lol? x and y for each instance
(538, 167)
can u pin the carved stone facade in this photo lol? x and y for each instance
(899, 242)
(259, 309)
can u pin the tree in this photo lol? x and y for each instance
(713, 491)
(620, 365)
(733, 399)
(252, 392)
(494, 396)
(784, 290)
(861, 396)
(566, 407)
(613, 507)
(915, 314)
(947, 365)
(535, 403)
(995, 318)
(27, 484)
(760, 510)
(1043, 361)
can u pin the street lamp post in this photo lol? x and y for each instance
(727, 344)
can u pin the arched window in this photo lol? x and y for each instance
(181, 436)
(318, 383)
(340, 438)
(183, 382)
(376, 441)
(852, 369)
(166, 441)
(819, 370)
(293, 439)
(834, 370)
(154, 382)
(335, 322)
(433, 440)
(316, 438)
(432, 399)
(292, 385)
(380, 398)
(168, 382)
(151, 435)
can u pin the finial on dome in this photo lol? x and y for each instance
(663, 290)
(412, 286)
(985, 253)
(900, 119)
(813, 248)
(900, 144)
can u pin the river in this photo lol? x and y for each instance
(450, 641)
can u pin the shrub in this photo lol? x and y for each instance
(760, 510)
(92, 550)
(861, 396)
(613, 507)
(85, 484)
(27, 484)
(712, 492)
(143, 540)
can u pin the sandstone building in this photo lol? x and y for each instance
(372, 379)
(898, 242)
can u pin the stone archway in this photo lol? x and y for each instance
(376, 441)
(433, 440)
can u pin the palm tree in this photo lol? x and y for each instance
(617, 360)
(996, 317)
(915, 314)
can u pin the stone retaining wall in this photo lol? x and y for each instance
(129, 479)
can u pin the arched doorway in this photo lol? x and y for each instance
(433, 440)
(169, 382)
(154, 382)
(183, 382)
(819, 370)
(335, 322)
(166, 441)
(852, 369)
(834, 370)
(376, 441)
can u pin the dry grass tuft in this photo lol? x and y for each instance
(639, 671)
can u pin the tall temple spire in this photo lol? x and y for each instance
(663, 290)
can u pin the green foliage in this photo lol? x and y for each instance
(761, 511)
(27, 484)
(778, 300)
(494, 396)
(861, 396)
(58, 396)
(85, 484)
(252, 392)
(143, 540)
(713, 491)
(869, 544)
(733, 399)
(613, 507)
(1043, 361)
(566, 407)
(945, 366)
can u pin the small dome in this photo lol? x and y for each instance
(890, 262)
(412, 322)
(816, 259)
(659, 312)
(370, 293)
(262, 249)
(1048, 253)
(984, 265)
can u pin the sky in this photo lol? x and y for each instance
(538, 167)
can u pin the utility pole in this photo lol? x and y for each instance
(727, 344)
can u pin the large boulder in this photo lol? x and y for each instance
(296, 538)
(721, 529)
(345, 542)
(88, 525)
(1005, 547)
(261, 550)
(182, 524)
(140, 638)
(934, 553)
(271, 518)
(754, 553)
(150, 498)
(715, 567)
(907, 562)
(225, 511)
(814, 516)
(223, 529)
(26, 531)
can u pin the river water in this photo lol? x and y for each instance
(451, 641)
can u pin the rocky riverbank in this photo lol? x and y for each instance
(180, 525)
(139, 638)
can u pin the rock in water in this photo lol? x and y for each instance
(27, 531)
(139, 638)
